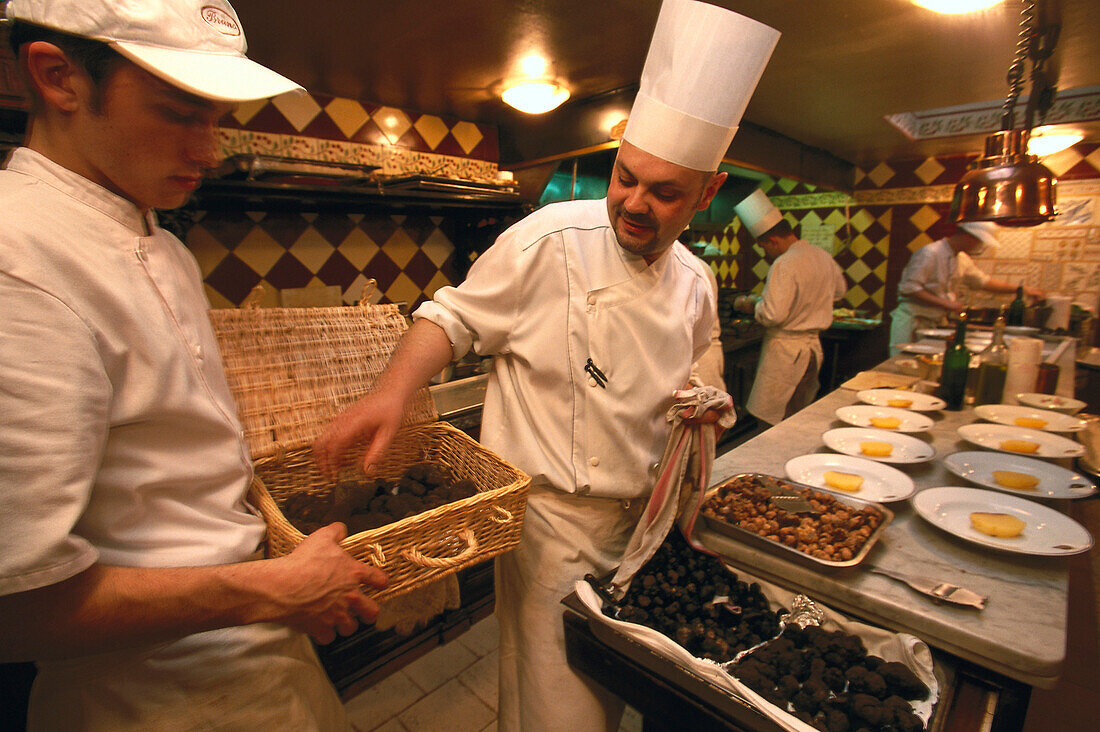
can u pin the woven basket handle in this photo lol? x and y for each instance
(369, 289)
(415, 556)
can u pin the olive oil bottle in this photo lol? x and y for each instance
(992, 367)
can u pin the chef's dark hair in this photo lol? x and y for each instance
(96, 57)
(782, 229)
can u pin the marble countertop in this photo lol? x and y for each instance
(1021, 633)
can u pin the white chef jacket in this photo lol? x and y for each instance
(797, 303)
(938, 269)
(552, 293)
(557, 291)
(120, 441)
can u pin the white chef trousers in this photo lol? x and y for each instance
(564, 536)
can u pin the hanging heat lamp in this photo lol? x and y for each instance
(1007, 185)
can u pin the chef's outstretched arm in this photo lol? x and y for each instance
(423, 352)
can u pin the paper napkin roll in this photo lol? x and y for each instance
(1024, 355)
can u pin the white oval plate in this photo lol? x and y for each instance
(1009, 413)
(935, 332)
(990, 436)
(1021, 329)
(1055, 481)
(906, 449)
(927, 348)
(881, 483)
(1051, 401)
(860, 415)
(1048, 533)
(920, 402)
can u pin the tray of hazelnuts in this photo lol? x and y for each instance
(824, 528)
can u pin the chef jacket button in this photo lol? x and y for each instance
(591, 381)
(591, 299)
(593, 461)
(198, 352)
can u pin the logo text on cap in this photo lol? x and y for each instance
(220, 21)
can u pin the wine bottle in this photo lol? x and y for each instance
(1016, 308)
(992, 367)
(956, 364)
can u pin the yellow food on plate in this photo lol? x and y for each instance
(1000, 525)
(876, 448)
(1033, 422)
(1019, 445)
(1014, 480)
(901, 403)
(843, 481)
(886, 423)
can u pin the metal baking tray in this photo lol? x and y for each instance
(736, 532)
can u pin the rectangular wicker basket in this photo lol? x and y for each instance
(291, 370)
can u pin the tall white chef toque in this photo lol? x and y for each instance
(757, 213)
(703, 64)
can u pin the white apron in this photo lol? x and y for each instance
(564, 537)
(251, 677)
(904, 324)
(785, 360)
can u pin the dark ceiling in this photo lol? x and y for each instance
(839, 68)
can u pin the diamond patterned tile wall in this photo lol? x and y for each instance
(410, 256)
(325, 117)
(898, 206)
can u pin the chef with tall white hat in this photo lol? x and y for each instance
(594, 314)
(933, 278)
(797, 303)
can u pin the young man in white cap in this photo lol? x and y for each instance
(594, 313)
(797, 303)
(931, 280)
(124, 567)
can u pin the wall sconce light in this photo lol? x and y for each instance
(1049, 140)
(1008, 185)
(534, 96)
(955, 7)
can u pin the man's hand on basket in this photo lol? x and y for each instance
(374, 419)
(322, 588)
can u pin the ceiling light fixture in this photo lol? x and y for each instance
(1007, 185)
(955, 7)
(535, 96)
(1049, 140)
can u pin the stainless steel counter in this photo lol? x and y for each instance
(1022, 631)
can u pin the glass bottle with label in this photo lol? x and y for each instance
(992, 367)
(1016, 308)
(956, 365)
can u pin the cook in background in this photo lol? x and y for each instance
(931, 280)
(797, 303)
(595, 314)
(124, 567)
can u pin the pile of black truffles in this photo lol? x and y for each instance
(827, 679)
(364, 505)
(692, 598)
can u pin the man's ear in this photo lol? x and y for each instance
(711, 189)
(53, 74)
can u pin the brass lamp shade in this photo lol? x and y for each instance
(1008, 186)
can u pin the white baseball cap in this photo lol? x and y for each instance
(196, 45)
(983, 231)
(702, 67)
(757, 213)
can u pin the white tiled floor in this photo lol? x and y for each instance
(452, 688)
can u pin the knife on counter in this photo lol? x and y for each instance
(937, 590)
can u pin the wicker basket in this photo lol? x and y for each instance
(291, 370)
